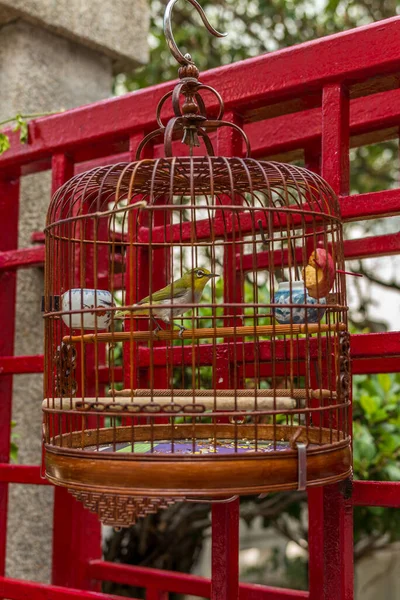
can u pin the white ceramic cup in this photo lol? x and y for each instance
(83, 298)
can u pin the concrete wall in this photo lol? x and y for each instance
(47, 66)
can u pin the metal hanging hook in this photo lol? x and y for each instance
(176, 53)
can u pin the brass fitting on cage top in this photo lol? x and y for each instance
(191, 118)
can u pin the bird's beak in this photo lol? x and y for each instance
(213, 275)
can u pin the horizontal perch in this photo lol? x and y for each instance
(170, 404)
(299, 394)
(204, 332)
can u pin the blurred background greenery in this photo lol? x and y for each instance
(174, 538)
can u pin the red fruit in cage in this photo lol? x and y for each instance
(319, 274)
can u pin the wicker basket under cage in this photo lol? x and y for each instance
(232, 380)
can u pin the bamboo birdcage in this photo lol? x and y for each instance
(253, 394)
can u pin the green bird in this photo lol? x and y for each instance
(186, 290)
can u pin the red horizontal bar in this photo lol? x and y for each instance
(22, 258)
(201, 229)
(363, 345)
(367, 366)
(245, 86)
(379, 245)
(370, 206)
(21, 474)
(15, 365)
(297, 130)
(363, 366)
(301, 129)
(383, 245)
(371, 353)
(375, 345)
(181, 583)
(368, 247)
(376, 493)
(358, 207)
(224, 223)
(354, 208)
(15, 589)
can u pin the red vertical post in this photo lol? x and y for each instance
(9, 205)
(76, 532)
(316, 543)
(136, 281)
(225, 551)
(338, 542)
(336, 137)
(225, 517)
(230, 143)
(338, 516)
(312, 156)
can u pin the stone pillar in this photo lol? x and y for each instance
(54, 55)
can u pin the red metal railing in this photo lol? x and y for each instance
(291, 100)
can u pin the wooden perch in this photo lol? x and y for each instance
(299, 393)
(205, 403)
(204, 332)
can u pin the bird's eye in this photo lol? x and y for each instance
(200, 273)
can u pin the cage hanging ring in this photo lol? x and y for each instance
(176, 53)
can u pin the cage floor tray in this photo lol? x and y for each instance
(199, 447)
(208, 460)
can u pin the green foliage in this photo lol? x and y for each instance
(376, 427)
(376, 453)
(374, 167)
(4, 142)
(20, 124)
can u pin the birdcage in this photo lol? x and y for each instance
(196, 342)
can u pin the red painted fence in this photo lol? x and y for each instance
(319, 98)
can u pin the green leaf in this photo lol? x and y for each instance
(389, 443)
(385, 381)
(23, 136)
(380, 415)
(21, 125)
(13, 452)
(369, 404)
(4, 143)
(364, 448)
(332, 6)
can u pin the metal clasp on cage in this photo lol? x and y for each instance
(54, 304)
(301, 466)
(301, 460)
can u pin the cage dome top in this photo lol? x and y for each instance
(215, 180)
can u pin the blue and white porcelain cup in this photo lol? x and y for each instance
(78, 298)
(286, 315)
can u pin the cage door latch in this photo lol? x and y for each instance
(302, 466)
